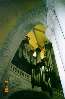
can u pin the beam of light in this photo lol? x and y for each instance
(60, 11)
(58, 42)
(60, 67)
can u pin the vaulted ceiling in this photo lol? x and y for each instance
(10, 13)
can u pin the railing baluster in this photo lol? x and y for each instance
(20, 72)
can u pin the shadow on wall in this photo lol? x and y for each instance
(29, 95)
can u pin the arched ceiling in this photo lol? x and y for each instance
(10, 13)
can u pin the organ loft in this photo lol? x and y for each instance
(31, 54)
